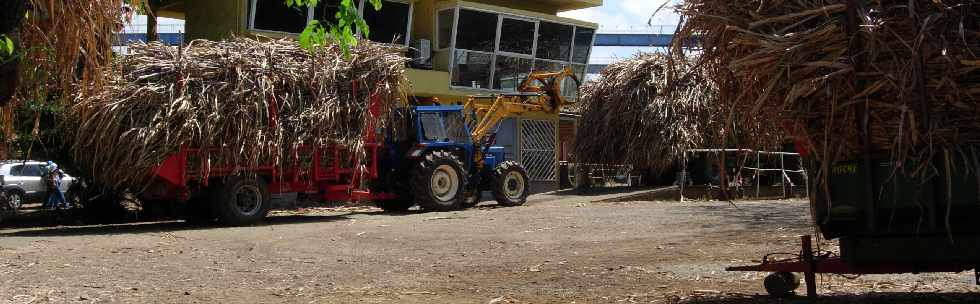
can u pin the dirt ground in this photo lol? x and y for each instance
(596, 248)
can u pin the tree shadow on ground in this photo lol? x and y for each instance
(164, 226)
(870, 298)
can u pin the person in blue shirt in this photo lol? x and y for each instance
(53, 177)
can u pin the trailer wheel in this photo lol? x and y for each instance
(394, 205)
(781, 284)
(241, 201)
(438, 182)
(510, 184)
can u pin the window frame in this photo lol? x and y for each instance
(310, 14)
(493, 64)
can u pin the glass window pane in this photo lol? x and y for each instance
(516, 36)
(432, 127)
(31, 170)
(326, 10)
(548, 66)
(17, 170)
(471, 69)
(477, 31)
(446, 28)
(510, 73)
(583, 44)
(554, 41)
(274, 15)
(390, 24)
(456, 126)
(569, 89)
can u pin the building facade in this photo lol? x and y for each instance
(461, 48)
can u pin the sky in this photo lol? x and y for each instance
(627, 16)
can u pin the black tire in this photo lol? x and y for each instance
(509, 184)
(433, 181)
(394, 205)
(781, 284)
(241, 201)
(15, 199)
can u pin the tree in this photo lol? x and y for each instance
(342, 32)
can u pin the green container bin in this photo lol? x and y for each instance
(903, 219)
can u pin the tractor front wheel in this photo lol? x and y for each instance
(439, 182)
(510, 184)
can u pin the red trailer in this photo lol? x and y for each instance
(236, 195)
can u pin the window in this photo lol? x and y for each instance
(274, 15)
(554, 41)
(432, 127)
(456, 127)
(568, 88)
(477, 31)
(548, 66)
(26, 170)
(516, 36)
(510, 73)
(326, 11)
(446, 20)
(583, 44)
(497, 51)
(390, 24)
(471, 69)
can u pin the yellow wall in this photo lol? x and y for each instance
(214, 19)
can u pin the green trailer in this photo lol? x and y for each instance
(889, 217)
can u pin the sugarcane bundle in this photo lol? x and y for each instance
(907, 72)
(636, 114)
(246, 102)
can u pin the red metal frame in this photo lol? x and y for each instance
(332, 179)
(810, 265)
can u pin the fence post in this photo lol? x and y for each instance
(782, 171)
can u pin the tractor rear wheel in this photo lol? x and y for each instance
(241, 201)
(439, 182)
(510, 184)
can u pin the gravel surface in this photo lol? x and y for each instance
(596, 248)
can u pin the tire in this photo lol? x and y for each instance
(394, 205)
(15, 199)
(241, 201)
(510, 184)
(781, 284)
(439, 182)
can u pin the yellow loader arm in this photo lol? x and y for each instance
(540, 92)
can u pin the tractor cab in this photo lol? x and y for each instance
(445, 127)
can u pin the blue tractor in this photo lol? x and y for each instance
(442, 157)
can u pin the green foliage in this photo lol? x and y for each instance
(347, 20)
(6, 49)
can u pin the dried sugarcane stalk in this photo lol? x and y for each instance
(221, 96)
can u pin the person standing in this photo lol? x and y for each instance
(53, 177)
